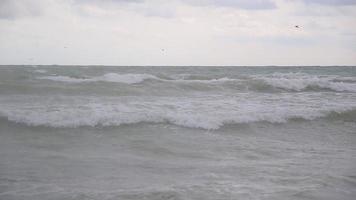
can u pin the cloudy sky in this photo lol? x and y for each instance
(178, 32)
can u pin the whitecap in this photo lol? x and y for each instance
(109, 77)
(192, 112)
(129, 79)
(42, 71)
(301, 81)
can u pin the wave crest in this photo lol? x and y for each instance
(109, 77)
(299, 82)
(285, 81)
(193, 113)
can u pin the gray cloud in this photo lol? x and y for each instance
(331, 2)
(108, 1)
(143, 7)
(243, 4)
(10, 9)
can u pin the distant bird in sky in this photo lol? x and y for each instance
(296, 26)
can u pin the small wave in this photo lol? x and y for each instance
(125, 78)
(286, 81)
(299, 82)
(128, 79)
(198, 78)
(109, 77)
(215, 80)
(42, 71)
(65, 79)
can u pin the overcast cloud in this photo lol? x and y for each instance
(192, 32)
(10, 9)
(243, 4)
(332, 2)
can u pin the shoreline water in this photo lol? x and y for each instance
(177, 133)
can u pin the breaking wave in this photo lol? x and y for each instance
(300, 82)
(42, 71)
(109, 77)
(129, 79)
(296, 82)
(199, 113)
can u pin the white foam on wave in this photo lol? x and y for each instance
(215, 80)
(64, 79)
(128, 79)
(288, 81)
(109, 77)
(42, 71)
(206, 112)
(189, 78)
(125, 78)
(301, 81)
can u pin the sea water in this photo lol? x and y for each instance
(99, 132)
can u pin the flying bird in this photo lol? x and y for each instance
(296, 26)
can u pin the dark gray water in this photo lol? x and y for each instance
(79, 132)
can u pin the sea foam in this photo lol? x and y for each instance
(109, 77)
(206, 113)
(296, 82)
(129, 79)
(301, 81)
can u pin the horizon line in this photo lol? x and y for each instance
(99, 65)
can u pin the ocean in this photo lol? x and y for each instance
(159, 132)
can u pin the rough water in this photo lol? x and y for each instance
(93, 132)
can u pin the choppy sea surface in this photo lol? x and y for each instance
(96, 132)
